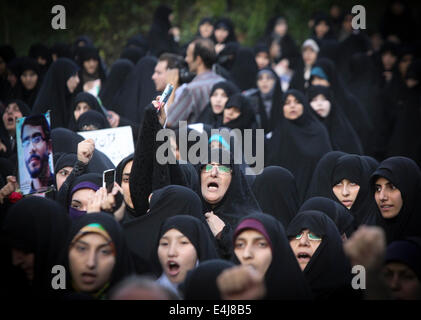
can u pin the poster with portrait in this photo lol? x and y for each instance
(35, 153)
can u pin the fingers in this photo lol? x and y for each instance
(209, 214)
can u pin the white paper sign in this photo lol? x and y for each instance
(115, 143)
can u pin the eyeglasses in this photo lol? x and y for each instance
(36, 139)
(221, 169)
(311, 236)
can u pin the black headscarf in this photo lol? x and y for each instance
(129, 213)
(159, 39)
(238, 200)
(86, 53)
(137, 41)
(246, 119)
(283, 279)
(166, 202)
(276, 191)
(328, 271)
(405, 175)
(339, 214)
(274, 97)
(4, 134)
(28, 96)
(65, 160)
(92, 117)
(54, 93)
(197, 233)
(406, 251)
(341, 133)
(356, 169)
(227, 24)
(298, 145)
(90, 100)
(207, 116)
(138, 90)
(40, 226)
(124, 265)
(133, 54)
(320, 181)
(115, 80)
(244, 69)
(344, 100)
(200, 283)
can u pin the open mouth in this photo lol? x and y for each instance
(303, 257)
(10, 120)
(213, 186)
(173, 268)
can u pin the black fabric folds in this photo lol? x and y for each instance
(276, 192)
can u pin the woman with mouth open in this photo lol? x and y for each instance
(97, 256)
(395, 186)
(183, 243)
(260, 242)
(317, 246)
(222, 187)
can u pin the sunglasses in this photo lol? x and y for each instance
(221, 169)
(311, 236)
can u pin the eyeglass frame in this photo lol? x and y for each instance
(218, 166)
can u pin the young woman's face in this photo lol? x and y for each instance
(321, 105)
(91, 262)
(206, 30)
(281, 28)
(321, 29)
(218, 100)
(388, 60)
(221, 34)
(304, 245)
(10, 115)
(309, 56)
(402, 281)
(346, 191)
(81, 198)
(265, 83)
(262, 60)
(90, 66)
(80, 109)
(29, 79)
(231, 114)
(62, 175)
(252, 248)
(388, 198)
(215, 181)
(177, 255)
(293, 109)
(125, 183)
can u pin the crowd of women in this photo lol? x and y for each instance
(341, 117)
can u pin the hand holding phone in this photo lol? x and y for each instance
(108, 178)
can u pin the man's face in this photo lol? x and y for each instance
(35, 149)
(191, 61)
(159, 76)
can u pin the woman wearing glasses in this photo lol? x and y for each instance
(317, 246)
